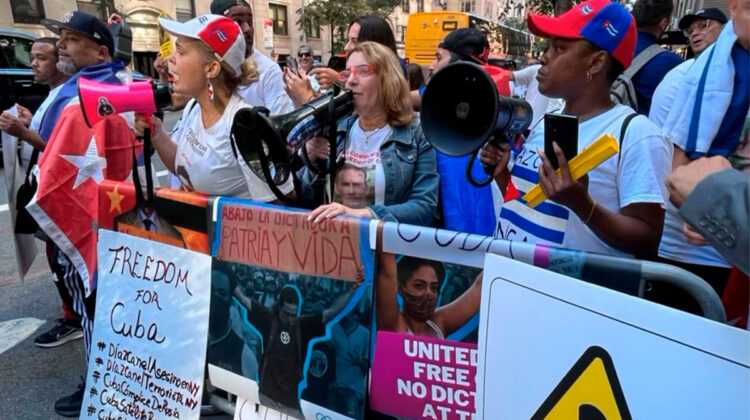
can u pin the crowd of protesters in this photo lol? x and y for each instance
(688, 120)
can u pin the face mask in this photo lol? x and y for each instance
(419, 307)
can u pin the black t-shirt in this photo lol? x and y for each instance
(284, 352)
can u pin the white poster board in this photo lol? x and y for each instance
(633, 358)
(149, 345)
(24, 244)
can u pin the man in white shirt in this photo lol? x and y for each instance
(268, 90)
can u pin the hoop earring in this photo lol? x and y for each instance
(210, 91)
(588, 77)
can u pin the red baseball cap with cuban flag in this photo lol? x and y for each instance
(604, 23)
(220, 33)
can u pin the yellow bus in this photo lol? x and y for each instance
(425, 30)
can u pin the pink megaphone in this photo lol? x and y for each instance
(100, 99)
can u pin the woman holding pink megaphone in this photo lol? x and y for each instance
(208, 65)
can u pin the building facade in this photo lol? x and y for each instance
(684, 7)
(276, 23)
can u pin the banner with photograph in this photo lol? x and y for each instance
(148, 347)
(291, 310)
(427, 305)
(175, 217)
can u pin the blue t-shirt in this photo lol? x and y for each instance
(651, 74)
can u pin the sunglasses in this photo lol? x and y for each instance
(304, 55)
(363, 70)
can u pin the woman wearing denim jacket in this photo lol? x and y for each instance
(386, 168)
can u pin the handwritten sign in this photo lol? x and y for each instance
(286, 241)
(150, 328)
(425, 378)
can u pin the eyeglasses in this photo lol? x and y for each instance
(363, 70)
(698, 25)
(304, 55)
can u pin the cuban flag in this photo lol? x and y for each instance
(76, 159)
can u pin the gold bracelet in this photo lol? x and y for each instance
(586, 222)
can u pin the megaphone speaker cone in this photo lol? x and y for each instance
(459, 108)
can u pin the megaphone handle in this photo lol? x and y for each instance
(487, 169)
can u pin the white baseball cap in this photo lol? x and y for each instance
(220, 33)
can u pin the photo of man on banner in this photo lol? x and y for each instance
(286, 342)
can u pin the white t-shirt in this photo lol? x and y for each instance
(361, 182)
(205, 162)
(540, 104)
(36, 121)
(674, 244)
(635, 176)
(666, 91)
(268, 90)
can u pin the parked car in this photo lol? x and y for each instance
(16, 78)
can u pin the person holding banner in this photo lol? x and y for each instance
(618, 208)
(419, 282)
(286, 335)
(209, 65)
(384, 138)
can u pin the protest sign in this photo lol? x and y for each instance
(426, 377)
(271, 237)
(148, 347)
(290, 310)
(554, 347)
(24, 244)
(176, 217)
(428, 299)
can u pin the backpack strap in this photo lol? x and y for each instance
(641, 59)
(623, 130)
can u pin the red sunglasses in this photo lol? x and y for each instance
(362, 70)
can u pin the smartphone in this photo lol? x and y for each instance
(291, 64)
(563, 130)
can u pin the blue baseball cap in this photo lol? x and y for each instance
(85, 24)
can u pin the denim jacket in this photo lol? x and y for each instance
(411, 176)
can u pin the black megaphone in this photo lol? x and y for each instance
(267, 142)
(462, 110)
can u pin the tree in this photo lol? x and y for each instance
(339, 13)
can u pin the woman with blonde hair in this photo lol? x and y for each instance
(209, 66)
(384, 138)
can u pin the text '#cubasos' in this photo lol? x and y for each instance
(287, 241)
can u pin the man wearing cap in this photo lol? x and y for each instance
(268, 91)
(702, 29)
(464, 207)
(617, 209)
(708, 112)
(85, 49)
(652, 17)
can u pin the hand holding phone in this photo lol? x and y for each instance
(292, 65)
(563, 130)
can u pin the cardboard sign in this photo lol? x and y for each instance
(537, 329)
(150, 328)
(272, 237)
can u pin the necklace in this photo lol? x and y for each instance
(368, 134)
